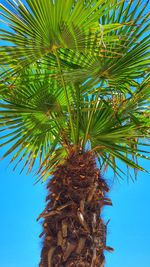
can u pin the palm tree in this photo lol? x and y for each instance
(74, 93)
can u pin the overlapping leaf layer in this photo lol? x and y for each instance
(74, 73)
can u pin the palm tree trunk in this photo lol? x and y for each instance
(74, 233)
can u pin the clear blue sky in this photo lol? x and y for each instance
(21, 202)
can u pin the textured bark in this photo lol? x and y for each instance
(74, 233)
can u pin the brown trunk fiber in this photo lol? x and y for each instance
(74, 234)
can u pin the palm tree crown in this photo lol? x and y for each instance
(74, 75)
